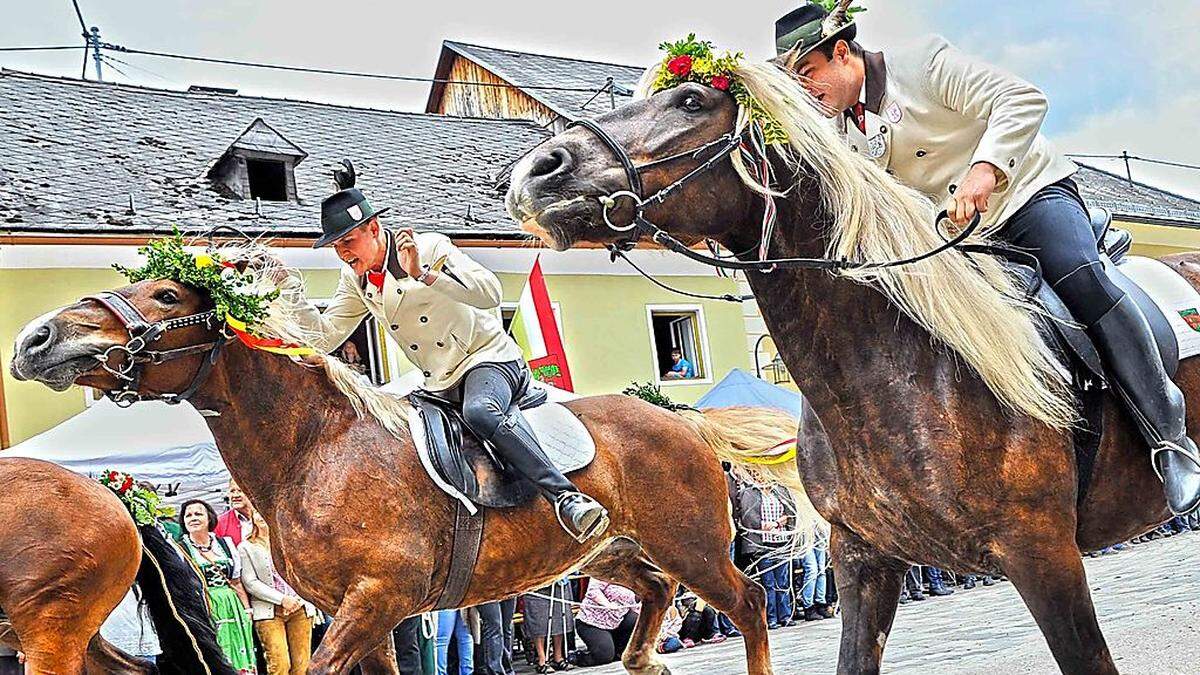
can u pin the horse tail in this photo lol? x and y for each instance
(760, 446)
(174, 593)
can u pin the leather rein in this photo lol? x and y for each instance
(142, 334)
(724, 146)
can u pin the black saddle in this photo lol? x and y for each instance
(1075, 346)
(469, 465)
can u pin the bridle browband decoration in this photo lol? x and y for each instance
(726, 145)
(142, 334)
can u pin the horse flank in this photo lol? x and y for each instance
(971, 305)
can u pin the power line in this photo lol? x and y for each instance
(1136, 158)
(347, 73)
(53, 48)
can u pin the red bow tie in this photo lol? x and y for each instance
(376, 280)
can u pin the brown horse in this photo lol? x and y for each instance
(925, 464)
(367, 536)
(68, 553)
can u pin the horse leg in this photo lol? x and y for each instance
(868, 585)
(54, 655)
(623, 562)
(103, 657)
(368, 613)
(382, 661)
(1052, 582)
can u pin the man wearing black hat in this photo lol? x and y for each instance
(439, 306)
(967, 135)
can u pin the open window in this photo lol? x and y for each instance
(267, 179)
(260, 164)
(363, 351)
(680, 344)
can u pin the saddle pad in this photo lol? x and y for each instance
(562, 436)
(1177, 299)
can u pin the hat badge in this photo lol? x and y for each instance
(355, 211)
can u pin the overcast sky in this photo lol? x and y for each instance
(1120, 75)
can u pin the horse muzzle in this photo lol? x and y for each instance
(41, 354)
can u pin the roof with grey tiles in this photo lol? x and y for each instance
(539, 70)
(73, 153)
(1132, 200)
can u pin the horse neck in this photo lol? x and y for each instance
(272, 413)
(843, 342)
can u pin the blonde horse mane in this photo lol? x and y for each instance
(973, 306)
(270, 274)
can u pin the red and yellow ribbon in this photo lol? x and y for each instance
(273, 345)
(785, 456)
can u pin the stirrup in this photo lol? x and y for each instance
(1164, 446)
(600, 524)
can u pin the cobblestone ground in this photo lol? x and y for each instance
(1147, 599)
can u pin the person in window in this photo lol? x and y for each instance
(681, 368)
(221, 566)
(439, 305)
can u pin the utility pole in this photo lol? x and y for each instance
(1128, 173)
(94, 42)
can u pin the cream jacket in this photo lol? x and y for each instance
(259, 581)
(932, 112)
(444, 329)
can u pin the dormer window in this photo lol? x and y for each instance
(260, 164)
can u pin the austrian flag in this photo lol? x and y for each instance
(535, 329)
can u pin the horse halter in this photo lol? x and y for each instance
(142, 334)
(726, 145)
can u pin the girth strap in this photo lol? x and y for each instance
(464, 553)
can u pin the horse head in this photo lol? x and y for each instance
(89, 343)
(556, 189)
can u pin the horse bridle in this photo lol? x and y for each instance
(726, 145)
(142, 334)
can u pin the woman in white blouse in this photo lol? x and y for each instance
(282, 619)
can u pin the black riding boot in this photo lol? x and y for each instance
(1133, 359)
(579, 514)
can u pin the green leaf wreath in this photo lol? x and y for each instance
(144, 505)
(692, 60)
(233, 292)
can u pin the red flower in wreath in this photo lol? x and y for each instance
(720, 82)
(128, 483)
(112, 476)
(680, 66)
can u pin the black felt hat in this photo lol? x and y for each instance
(809, 26)
(345, 209)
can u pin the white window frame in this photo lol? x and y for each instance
(380, 339)
(504, 306)
(701, 338)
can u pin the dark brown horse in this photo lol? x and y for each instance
(68, 553)
(366, 535)
(925, 464)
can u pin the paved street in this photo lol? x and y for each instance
(1148, 598)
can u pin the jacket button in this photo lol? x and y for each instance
(1012, 163)
(427, 373)
(854, 148)
(953, 187)
(399, 292)
(413, 347)
(441, 344)
(921, 153)
(395, 327)
(424, 319)
(883, 130)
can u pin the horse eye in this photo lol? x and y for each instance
(691, 104)
(167, 297)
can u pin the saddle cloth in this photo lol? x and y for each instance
(470, 471)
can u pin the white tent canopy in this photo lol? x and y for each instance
(168, 445)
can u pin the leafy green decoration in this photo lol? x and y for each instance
(830, 4)
(652, 394)
(144, 505)
(232, 291)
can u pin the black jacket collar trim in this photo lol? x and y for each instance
(876, 74)
(392, 265)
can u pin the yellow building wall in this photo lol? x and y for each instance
(605, 331)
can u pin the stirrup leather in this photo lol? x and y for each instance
(1164, 446)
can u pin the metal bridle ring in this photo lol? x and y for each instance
(610, 201)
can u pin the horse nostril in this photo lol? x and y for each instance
(557, 161)
(39, 338)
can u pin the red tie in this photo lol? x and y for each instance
(376, 280)
(860, 117)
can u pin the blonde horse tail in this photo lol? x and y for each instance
(760, 445)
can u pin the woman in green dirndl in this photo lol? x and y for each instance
(220, 564)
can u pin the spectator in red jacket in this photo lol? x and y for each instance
(237, 521)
